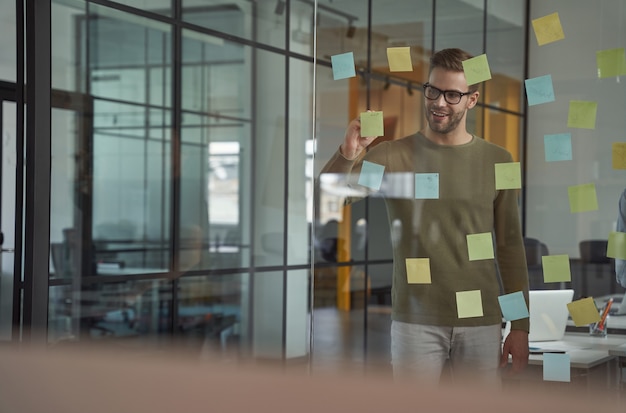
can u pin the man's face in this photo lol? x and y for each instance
(443, 117)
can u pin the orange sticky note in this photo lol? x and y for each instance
(418, 271)
(583, 311)
(618, 150)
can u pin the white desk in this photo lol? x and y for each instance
(593, 362)
(620, 353)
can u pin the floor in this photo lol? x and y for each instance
(355, 340)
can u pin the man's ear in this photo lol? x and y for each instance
(472, 99)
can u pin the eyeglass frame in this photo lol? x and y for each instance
(443, 92)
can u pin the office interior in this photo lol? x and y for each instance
(161, 165)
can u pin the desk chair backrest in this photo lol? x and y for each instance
(593, 251)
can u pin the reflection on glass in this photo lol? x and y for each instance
(262, 22)
(209, 313)
(8, 46)
(133, 309)
(163, 7)
(215, 147)
(131, 133)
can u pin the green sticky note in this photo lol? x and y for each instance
(616, 247)
(418, 271)
(611, 62)
(582, 114)
(556, 268)
(469, 304)
(480, 246)
(618, 154)
(548, 29)
(476, 69)
(583, 311)
(372, 124)
(582, 198)
(399, 59)
(371, 175)
(508, 175)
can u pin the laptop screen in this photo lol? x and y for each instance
(548, 314)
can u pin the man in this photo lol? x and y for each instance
(620, 265)
(427, 330)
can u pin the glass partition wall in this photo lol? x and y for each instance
(186, 205)
(180, 195)
(353, 271)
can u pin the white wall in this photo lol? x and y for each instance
(588, 27)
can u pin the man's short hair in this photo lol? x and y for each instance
(451, 59)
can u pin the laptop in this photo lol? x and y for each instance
(548, 314)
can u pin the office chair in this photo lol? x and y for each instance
(535, 249)
(593, 252)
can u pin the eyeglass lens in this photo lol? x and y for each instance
(450, 96)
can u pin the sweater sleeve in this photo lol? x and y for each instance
(511, 256)
(620, 265)
(348, 171)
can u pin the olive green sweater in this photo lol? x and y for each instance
(468, 203)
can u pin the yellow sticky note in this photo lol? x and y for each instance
(469, 304)
(619, 155)
(582, 114)
(399, 59)
(508, 175)
(480, 246)
(372, 124)
(611, 62)
(548, 29)
(616, 247)
(476, 69)
(556, 268)
(582, 198)
(418, 271)
(583, 311)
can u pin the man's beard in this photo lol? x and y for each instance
(453, 121)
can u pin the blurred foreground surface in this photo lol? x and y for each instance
(80, 379)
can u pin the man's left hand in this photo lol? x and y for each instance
(515, 344)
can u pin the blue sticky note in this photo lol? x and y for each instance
(513, 306)
(427, 186)
(343, 65)
(539, 90)
(371, 175)
(558, 147)
(556, 367)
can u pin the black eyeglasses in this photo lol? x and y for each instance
(451, 96)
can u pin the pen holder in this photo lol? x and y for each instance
(598, 329)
